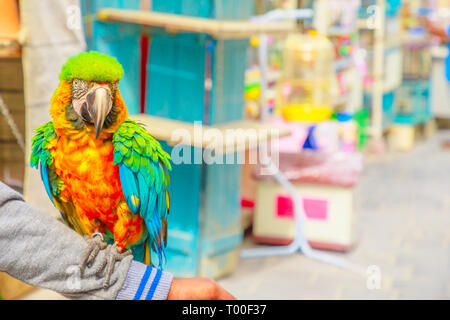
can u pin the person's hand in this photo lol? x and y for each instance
(197, 289)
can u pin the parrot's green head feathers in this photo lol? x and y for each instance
(92, 66)
(93, 80)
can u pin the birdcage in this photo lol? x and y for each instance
(307, 86)
(416, 55)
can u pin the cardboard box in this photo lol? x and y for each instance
(6, 134)
(12, 164)
(325, 185)
(11, 74)
(329, 215)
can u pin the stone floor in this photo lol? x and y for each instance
(403, 207)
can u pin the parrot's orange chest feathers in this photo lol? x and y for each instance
(92, 181)
(86, 166)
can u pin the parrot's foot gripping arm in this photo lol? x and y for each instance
(112, 254)
(95, 244)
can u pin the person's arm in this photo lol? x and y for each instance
(197, 289)
(41, 251)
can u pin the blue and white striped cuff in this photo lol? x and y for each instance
(145, 283)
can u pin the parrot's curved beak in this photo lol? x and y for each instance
(99, 104)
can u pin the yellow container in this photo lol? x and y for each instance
(308, 82)
(307, 112)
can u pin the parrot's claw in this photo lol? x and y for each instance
(95, 244)
(112, 254)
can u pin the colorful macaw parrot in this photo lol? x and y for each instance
(104, 173)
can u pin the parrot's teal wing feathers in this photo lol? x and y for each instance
(41, 158)
(40, 155)
(144, 176)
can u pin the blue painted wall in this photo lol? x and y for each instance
(416, 95)
(118, 40)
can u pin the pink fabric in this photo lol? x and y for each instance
(285, 207)
(315, 209)
(338, 169)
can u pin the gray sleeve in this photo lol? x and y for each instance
(41, 251)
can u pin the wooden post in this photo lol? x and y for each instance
(377, 89)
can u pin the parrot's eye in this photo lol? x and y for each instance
(114, 86)
(79, 88)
